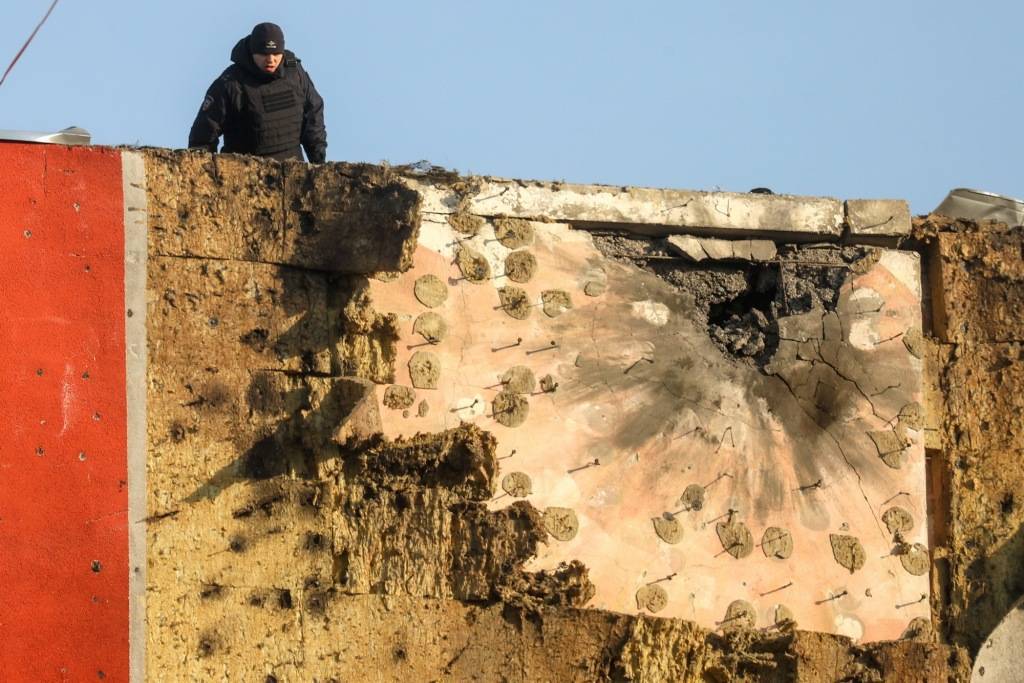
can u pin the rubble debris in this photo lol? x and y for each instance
(567, 585)
(461, 460)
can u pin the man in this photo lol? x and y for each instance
(264, 103)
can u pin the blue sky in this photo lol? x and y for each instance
(850, 99)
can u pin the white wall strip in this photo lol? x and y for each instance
(133, 167)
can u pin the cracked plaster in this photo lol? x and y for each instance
(646, 406)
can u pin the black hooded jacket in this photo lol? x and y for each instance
(260, 113)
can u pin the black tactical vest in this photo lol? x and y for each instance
(271, 119)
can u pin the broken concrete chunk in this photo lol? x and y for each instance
(801, 328)
(762, 250)
(430, 291)
(561, 523)
(832, 330)
(777, 542)
(717, 249)
(431, 327)
(515, 302)
(556, 302)
(886, 217)
(517, 485)
(424, 370)
(687, 246)
(693, 497)
(651, 598)
(510, 409)
(736, 538)
(897, 519)
(668, 528)
(847, 551)
(423, 408)
(739, 615)
(473, 265)
(520, 266)
(398, 397)
(513, 233)
(519, 379)
(701, 248)
(915, 560)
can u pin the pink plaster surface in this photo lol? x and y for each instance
(688, 417)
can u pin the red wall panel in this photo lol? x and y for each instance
(63, 472)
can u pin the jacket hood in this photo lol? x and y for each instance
(241, 56)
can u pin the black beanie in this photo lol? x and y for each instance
(266, 39)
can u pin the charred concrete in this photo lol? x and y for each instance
(742, 299)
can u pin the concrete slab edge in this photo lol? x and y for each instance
(660, 212)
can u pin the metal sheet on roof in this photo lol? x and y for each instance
(69, 136)
(980, 205)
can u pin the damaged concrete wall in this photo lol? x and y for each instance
(441, 428)
(336, 440)
(977, 280)
(804, 434)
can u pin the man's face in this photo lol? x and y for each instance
(267, 63)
